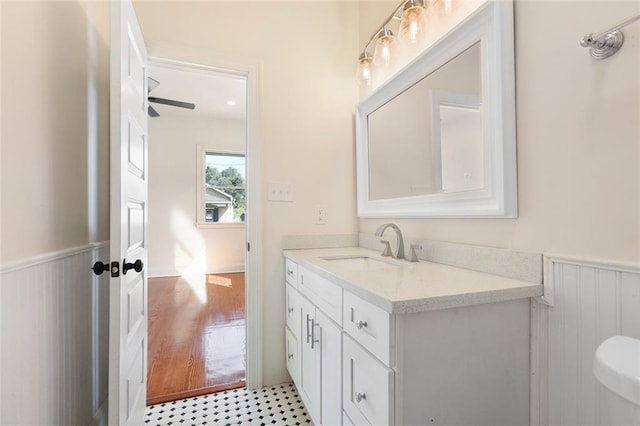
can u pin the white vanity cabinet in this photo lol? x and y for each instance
(314, 310)
(442, 346)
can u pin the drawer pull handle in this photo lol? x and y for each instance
(290, 272)
(290, 356)
(290, 310)
(309, 332)
(361, 324)
(360, 396)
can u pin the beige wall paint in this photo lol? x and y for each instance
(176, 245)
(55, 133)
(578, 130)
(305, 54)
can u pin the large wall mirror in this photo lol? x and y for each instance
(438, 139)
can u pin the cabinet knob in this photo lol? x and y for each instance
(290, 356)
(290, 310)
(290, 272)
(361, 324)
(360, 396)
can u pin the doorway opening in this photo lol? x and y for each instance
(198, 214)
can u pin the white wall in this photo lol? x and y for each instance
(176, 245)
(54, 197)
(305, 53)
(55, 108)
(578, 135)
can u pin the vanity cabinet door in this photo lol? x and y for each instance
(310, 360)
(367, 385)
(293, 356)
(331, 370)
(293, 314)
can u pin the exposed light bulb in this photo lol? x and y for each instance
(385, 48)
(412, 23)
(231, 103)
(365, 69)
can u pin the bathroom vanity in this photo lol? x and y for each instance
(375, 340)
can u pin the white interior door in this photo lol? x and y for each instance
(128, 292)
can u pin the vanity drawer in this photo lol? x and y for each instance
(291, 272)
(368, 325)
(321, 292)
(294, 313)
(293, 356)
(368, 388)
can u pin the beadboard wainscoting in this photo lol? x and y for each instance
(585, 302)
(55, 333)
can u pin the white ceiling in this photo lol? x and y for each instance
(209, 91)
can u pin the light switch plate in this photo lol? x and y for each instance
(280, 192)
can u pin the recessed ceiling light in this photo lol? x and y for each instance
(231, 103)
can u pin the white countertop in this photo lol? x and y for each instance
(412, 287)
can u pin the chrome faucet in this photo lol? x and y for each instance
(399, 254)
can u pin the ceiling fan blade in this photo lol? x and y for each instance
(152, 112)
(172, 102)
(152, 83)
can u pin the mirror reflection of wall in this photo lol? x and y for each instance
(457, 132)
(428, 139)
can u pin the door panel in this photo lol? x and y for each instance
(128, 291)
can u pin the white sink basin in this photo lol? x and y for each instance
(359, 262)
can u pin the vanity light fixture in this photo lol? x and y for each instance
(411, 30)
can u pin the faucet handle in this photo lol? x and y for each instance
(387, 248)
(413, 257)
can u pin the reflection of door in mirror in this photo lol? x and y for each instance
(457, 137)
(417, 146)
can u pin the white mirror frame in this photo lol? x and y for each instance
(492, 26)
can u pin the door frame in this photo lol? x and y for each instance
(253, 224)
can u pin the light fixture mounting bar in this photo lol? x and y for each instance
(386, 22)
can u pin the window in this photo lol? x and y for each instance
(223, 190)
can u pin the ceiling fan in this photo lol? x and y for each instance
(152, 84)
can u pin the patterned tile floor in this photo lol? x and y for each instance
(278, 405)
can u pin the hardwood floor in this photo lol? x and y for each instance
(196, 336)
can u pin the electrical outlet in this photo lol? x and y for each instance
(321, 215)
(280, 192)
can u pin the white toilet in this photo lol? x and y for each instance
(617, 366)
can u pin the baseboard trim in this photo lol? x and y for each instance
(179, 271)
(100, 416)
(39, 259)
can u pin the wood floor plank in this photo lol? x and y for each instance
(196, 329)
